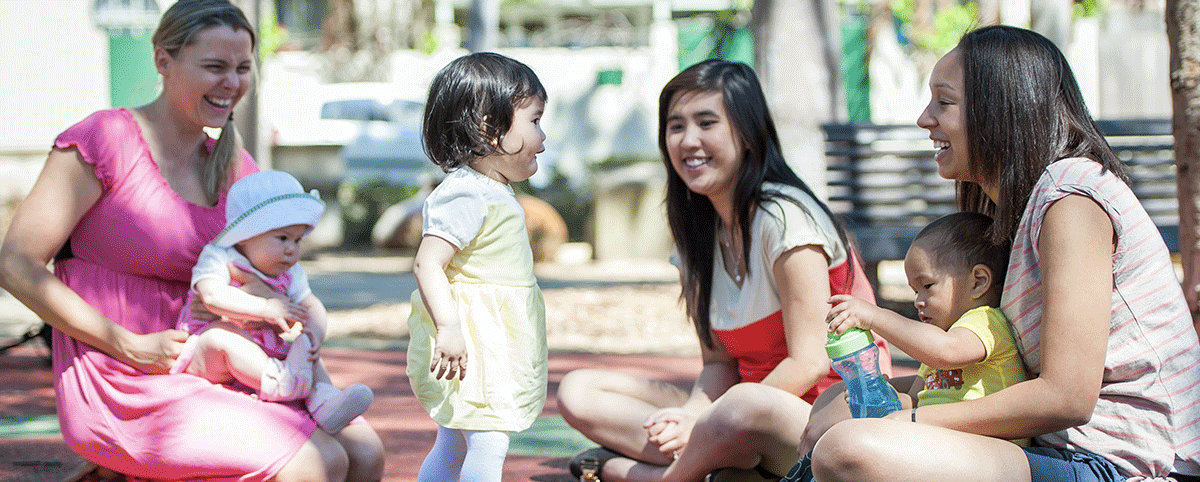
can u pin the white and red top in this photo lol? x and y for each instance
(748, 319)
(1147, 420)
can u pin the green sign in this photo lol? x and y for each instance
(133, 81)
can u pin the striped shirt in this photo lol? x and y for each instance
(1147, 420)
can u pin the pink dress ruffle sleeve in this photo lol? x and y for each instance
(132, 256)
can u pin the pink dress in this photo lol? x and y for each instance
(132, 260)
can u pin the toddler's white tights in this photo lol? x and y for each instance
(465, 455)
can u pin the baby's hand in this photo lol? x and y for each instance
(280, 315)
(449, 355)
(850, 312)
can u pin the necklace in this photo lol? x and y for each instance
(736, 255)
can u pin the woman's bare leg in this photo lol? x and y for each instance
(751, 425)
(321, 458)
(880, 449)
(748, 426)
(831, 407)
(609, 408)
(364, 450)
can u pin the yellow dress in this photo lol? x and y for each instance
(499, 304)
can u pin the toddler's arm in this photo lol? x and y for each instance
(925, 342)
(449, 358)
(228, 301)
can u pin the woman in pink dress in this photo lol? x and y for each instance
(127, 199)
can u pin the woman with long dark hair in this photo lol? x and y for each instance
(759, 255)
(1097, 312)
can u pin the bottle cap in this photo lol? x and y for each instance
(850, 341)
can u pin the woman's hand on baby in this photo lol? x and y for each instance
(849, 312)
(669, 428)
(252, 284)
(449, 355)
(152, 353)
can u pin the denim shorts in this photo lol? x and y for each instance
(1051, 464)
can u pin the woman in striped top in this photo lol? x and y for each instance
(1096, 309)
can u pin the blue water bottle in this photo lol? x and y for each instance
(856, 358)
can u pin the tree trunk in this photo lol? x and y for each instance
(1183, 31)
(483, 35)
(246, 113)
(798, 52)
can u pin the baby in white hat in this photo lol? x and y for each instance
(267, 215)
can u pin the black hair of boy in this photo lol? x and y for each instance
(960, 241)
(471, 104)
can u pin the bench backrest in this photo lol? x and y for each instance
(883, 182)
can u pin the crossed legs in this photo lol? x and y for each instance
(751, 425)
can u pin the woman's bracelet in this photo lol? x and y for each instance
(914, 414)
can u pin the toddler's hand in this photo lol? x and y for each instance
(849, 312)
(449, 355)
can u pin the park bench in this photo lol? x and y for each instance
(883, 182)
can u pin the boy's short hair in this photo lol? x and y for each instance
(960, 241)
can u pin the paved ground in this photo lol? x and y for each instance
(31, 449)
(621, 316)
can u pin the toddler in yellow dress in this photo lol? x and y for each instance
(477, 355)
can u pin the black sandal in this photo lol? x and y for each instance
(586, 465)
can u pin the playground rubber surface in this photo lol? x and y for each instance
(31, 448)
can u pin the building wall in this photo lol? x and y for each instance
(56, 72)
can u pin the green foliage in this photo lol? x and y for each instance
(904, 10)
(271, 35)
(949, 24)
(1087, 8)
(429, 43)
(617, 162)
(573, 204)
(363, 202)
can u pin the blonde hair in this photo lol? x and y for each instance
(178, 28)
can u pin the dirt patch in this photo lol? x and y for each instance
(620, 318)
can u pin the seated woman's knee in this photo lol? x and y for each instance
(842, 453)
(364, 451)
(579, 387)
(322, 454)
(574, 394)
(742, 407)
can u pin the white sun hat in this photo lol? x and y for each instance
(264, 201)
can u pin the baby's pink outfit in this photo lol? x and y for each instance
(271, 343)
(132, 260)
